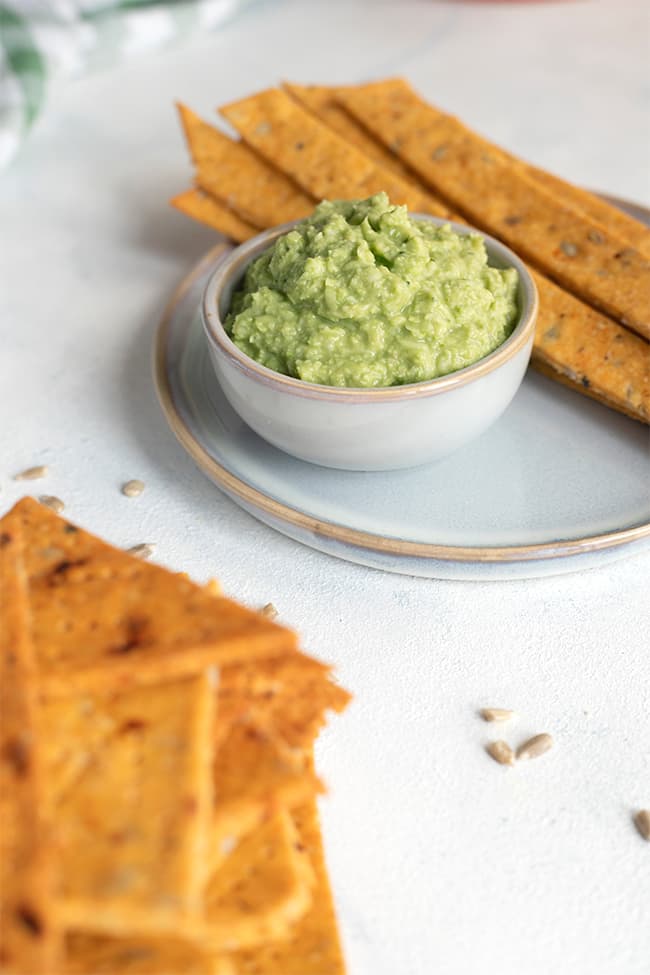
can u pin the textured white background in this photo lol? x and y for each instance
(441, 861)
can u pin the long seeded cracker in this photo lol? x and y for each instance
(206, 209)
(320, 161)
(133, 826)
(320, 100)
(313, 947)
(583, 349)
(101, 618)
(495, 193)
(261, 889)
(236, 176)
(618, 223)
(29, 940)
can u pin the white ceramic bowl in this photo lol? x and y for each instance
(367, 429)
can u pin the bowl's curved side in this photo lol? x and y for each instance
(220, 286)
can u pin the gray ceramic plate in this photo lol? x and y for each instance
(559, 483)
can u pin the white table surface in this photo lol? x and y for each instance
(441, 860)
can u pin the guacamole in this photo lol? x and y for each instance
(360, 294)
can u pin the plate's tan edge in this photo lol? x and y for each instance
(348, 536)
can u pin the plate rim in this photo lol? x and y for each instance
(234, 485)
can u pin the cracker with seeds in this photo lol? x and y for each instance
(232, 173)
(100, 954)
(261, 889)
(199, 205)
(313, 947)
(499, 196)
(29, 939)
(319, 160)
(133, 825)
(101, 618)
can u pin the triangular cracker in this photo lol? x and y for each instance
(102, 618)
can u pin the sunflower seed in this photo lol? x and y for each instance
(534, 747)
(133, 489)
(50, 501)
(269, 611)
(496, 714)
(642, 823)
(568, 248)
(32, 473)
(142, 551)
(501, 752)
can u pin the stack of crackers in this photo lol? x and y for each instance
(300, 144)
(157, 793)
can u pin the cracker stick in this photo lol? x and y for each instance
(313, 946)
(206, 209)
(618, 223)
(236, 176)
(584, 349)
(495, 193)
(29, 940)
(320, 100)
(101, 618)
(320, 161)
(134, 824)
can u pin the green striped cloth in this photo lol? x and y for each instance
(45, 39)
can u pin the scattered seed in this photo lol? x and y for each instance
(642, 823)
(142, 551)
(568, 248)
(32, 473)
(501, 752)
(595, 236)
(497, 714)
(534, 747)
(50, 501)
(269, 611)
(439, 153)
(133, 489)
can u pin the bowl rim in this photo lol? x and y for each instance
(235, 263)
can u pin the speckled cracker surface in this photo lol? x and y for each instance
(133, 823)
(96, 954)
(288, 697)
(253, 777)
(313, 947)
(618, 223)
(29, 940)
(101, 618)
(261, 889)
(319, 160)
(321, 101)
(234, 174)
(586, 350)
(499, 196)
(199, 205)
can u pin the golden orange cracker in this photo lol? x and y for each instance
(206, 209)
(618, 223)
(320, 100)
(499, 196)
(253, 777)
(582, 348)
(97, 954)
(260, 889)
(320, 161)
(101, 618)
(313, 946)
(133, 826)
(234, 174)
(29, 939)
